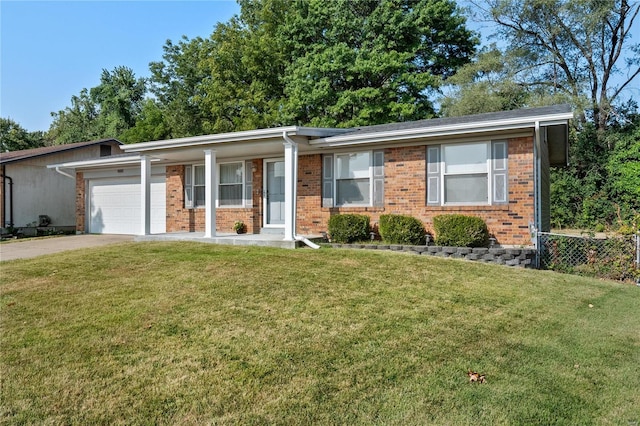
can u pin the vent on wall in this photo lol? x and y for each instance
(105, 150)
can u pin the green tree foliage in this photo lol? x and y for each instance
(176, 82)
(75, 123)
(119, 97)
(104, 111)
(14, 137)
(151, 125)
(338, 63)
(601, 185)
(368, 62)
(486, 84)
(623, 168)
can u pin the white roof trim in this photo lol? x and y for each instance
(444, 130)
(113, 161)
(243, 136)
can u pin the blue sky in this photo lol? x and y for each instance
(50, 50)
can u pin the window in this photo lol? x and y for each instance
(105, 150)
(198, 185)
(230, 188)
(467, 173)
(231, 185)
(353, 179)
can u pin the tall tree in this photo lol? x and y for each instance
(75, 123)
(14, 137)
(119, 96)
(369, 61)
(338, 63)
(176, 83)
(579, 47)
(486, 84)
(103, 111)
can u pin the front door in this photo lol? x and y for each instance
(274, 196)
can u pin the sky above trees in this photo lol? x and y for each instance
(51, 50)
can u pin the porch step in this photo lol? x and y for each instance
(272, 231)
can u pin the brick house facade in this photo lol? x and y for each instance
(421, 169)
(405, 193)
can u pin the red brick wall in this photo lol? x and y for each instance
(405, 193)
(180, 219)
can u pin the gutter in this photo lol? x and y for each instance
(440, 131)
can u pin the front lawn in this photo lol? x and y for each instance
(188, 333)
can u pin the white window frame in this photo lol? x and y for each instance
(335, 178)
(190, 185)
(444, 174)
(243, 184)
(494, 168)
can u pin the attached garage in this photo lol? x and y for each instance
(114, 205)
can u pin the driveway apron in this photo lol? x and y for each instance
(28, 248)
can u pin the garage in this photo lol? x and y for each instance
(115, 205)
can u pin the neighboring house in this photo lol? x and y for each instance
(29, 189)
(292, 179)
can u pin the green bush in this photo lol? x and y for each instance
(457, 230)
(398, 229)
(347, 228)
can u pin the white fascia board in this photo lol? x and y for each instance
(243, 136)
(117, 161)
(439, 131)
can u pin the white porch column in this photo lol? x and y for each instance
(290, 187)
(210, 193)
(145, 188)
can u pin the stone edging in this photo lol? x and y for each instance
(518, 257)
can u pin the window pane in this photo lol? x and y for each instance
(230, 195)
(199, 190)
(465, 158)
(499, 188)
(352, 191)
(499, 155)
(231, 173)
(198, 175)
(466, 189)
(354, 166)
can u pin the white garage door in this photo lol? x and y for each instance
(115, 206)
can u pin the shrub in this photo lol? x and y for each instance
(347, 228)
(457, 230)
(398, 229)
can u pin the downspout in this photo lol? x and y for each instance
(63, 173)
(294, 202)
(4, 196)
(537, 187)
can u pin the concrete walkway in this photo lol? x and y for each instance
(28, 248)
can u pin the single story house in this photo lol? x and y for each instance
(292, 179)
(29, 189)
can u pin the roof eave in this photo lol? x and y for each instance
(441, 131)
(242, 136)
(105, 162)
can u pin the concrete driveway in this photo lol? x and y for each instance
(27, 248)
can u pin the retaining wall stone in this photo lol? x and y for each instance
(516, 257)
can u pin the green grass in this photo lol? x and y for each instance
(187, 333)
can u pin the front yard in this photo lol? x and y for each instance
(188, 333)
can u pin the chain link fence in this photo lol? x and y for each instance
(615, 258)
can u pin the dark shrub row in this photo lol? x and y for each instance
(451, 230)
